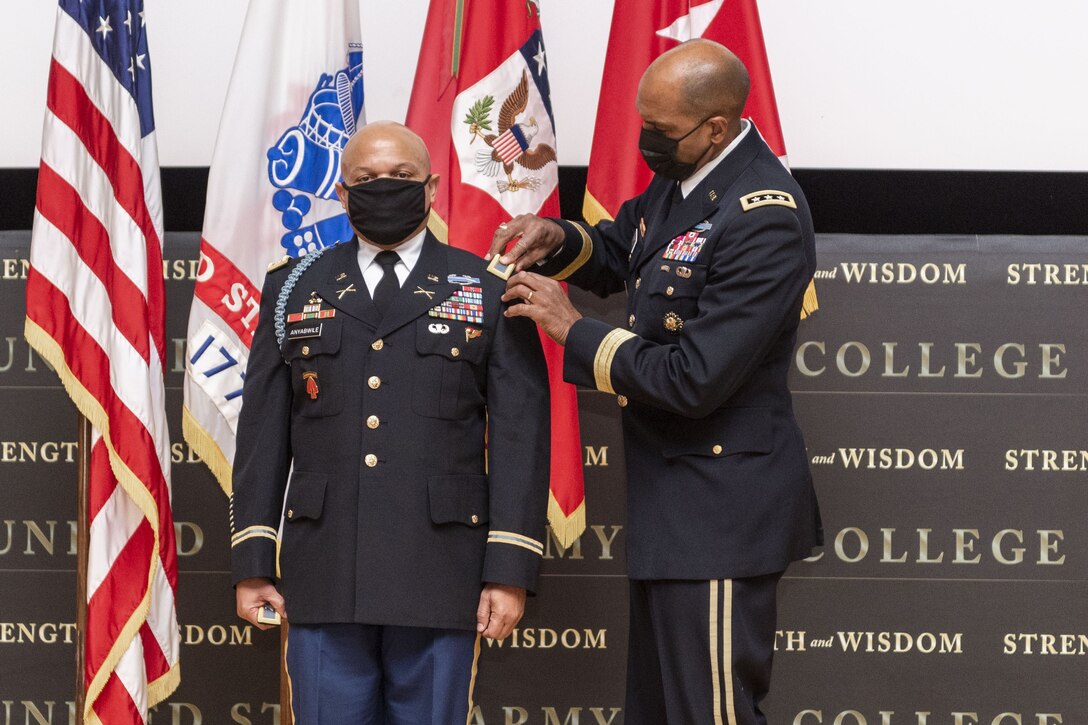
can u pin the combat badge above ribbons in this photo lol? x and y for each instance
(311, 311)
(464, 305)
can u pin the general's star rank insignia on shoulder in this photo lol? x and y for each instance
(767, 197)
(685, 248)
(464, 305)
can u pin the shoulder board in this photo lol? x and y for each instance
(767, 197)
(279, 263)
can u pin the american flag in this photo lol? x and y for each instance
(95, 312)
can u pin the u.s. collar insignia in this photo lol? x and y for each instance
(432, 278)
(673, 322)
(767, 197)
(341, 277)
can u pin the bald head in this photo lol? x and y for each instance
(384, 148)
(703, 77)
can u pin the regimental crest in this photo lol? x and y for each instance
(304, 165)
(509, 151)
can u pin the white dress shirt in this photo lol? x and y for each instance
(692, 181)
(372, 271)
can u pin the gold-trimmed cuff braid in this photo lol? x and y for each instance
(583, 256)
(253, 532)
(606, 351)
(509, 537)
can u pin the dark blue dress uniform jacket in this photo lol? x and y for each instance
(392, 515)
(718, 479)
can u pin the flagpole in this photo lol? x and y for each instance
(287, 716)
(83, 477)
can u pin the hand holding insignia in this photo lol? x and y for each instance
(537, 239)
(251, 595)
(545, 303)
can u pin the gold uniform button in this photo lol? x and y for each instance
(371, 460)
(305, 349)
(374, 382)
(455, 352)
(622, 400)
(475, 519)
(290, 513)
(631, 321)
(669, 291)
(638, 282)
(372, 422)
(717, 450)
(377, 344)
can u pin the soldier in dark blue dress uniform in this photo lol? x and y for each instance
(376, 371)
(715, 257)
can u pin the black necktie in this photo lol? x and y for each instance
(389, 284)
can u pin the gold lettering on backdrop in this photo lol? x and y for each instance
(37, 632)
(903, 273)
(604, 536)
(961, 360)
(901, 459)
(217, 635)
(14, 268)
(1034, 643)
(1008, 547)
(241, 713)
(1038, 459)
(1034, 273)
(41, 538)
(180, 269)
(891, 717)
(548, 638)
(597, 456)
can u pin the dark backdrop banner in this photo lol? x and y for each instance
(943, 391)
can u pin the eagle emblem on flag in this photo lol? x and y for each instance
(516, 163)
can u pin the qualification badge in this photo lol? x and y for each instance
(311, 384)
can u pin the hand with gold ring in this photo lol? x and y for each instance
(536, 239)
(552, 310)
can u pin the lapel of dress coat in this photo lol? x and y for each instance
(420, 292)
(703, 200)
(342, 285)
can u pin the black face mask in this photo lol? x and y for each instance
(659, 152)
(386, 211)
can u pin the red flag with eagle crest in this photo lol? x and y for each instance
(481, 103)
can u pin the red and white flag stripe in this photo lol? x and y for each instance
(95, 312)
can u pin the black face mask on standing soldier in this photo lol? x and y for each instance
(659, 152)
(386, 210)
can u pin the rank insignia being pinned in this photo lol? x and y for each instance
(464, 305)
(311, 384)
(673, 322)
(311, 311)
(471, 333)
(685, 248)
(767, 197)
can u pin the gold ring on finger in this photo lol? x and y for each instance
(529, 299)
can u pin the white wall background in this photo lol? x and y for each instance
(918, 84)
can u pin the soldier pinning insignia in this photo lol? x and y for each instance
(311, 384)
(674, 323)
(279, 263)
(767, 197)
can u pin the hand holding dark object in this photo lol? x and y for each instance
(537, 239)
(545, 303)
